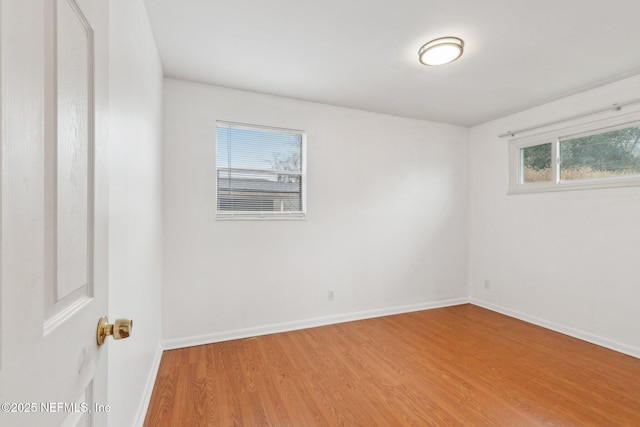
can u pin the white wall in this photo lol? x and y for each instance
(135, 228)
(566, 260)
(386, 225)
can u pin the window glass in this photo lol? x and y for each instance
(612, 153)
(536, 163)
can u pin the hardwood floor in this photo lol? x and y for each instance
(455, 366)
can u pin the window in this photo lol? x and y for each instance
(592, 155)
(260, 172)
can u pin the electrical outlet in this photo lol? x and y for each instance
(487, 284)
(331, 295)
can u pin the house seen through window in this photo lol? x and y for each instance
(260, 171)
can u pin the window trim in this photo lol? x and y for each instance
(516, 170)
(238, 215)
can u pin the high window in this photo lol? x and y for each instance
(593, 155)
(260, 172)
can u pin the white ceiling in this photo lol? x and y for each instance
(364, 53)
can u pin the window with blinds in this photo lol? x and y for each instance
(260, 171)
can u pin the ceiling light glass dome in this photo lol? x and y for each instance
(441, 51)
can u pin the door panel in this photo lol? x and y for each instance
(74, 80)
(53, 230)
(68, 158)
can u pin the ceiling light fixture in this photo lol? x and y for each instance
(441, 51)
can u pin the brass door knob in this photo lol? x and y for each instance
(119, 329)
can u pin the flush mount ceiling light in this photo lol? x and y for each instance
(441, 51)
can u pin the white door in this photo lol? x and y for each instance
(53, 232)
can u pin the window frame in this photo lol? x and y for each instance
(263, 215)
(555, 137)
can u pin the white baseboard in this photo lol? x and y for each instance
(306, 323)
(576, 333)
(148, 389)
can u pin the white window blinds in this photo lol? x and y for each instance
(260, 171)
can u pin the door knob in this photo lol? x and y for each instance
(119, 329)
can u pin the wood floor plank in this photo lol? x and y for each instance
(455, 366)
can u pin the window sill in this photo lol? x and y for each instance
(297, 216)
(583, 184)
